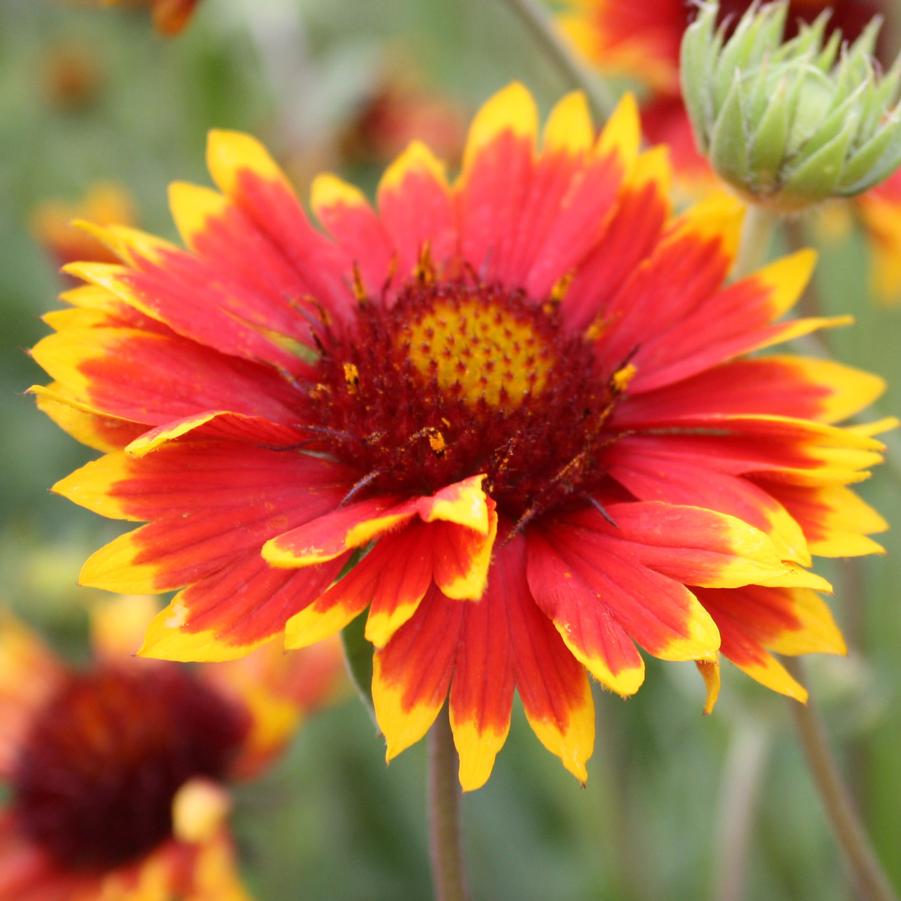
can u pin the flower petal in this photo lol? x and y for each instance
(345, 212)
(462, 557)
(576, 573)
(778, 385)
(584, 619)
(736, 320)
(497, 169)
(338, 531)
(196, 303)
(206, 502)
(754, 621)
(154, 378)
(228, 613)
(464, 503)
(835, 520)
(481, 693)
(552, 684)
(635, 228)
(571, 196)
(411, 674)
(415, 208)
(394, 577)
(685, 269)
(246, 173)
(684, 482)
(103, 433)
(216, 425)
(790, 450)
(696, 546)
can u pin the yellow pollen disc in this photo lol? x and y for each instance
(481, 350)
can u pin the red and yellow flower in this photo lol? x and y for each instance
(117, 772)
(879, 213)
(521, 402)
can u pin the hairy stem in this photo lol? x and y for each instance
(756, 238)
(448, 874)
(870, 878)
(539, 22)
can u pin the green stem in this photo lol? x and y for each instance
(539, 22)
(756, 237)
(448, 874)
(871, 881)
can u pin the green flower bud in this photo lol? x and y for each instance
(790, 124)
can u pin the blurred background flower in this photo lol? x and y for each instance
(118, 769)
(54, 223)
(169, 16)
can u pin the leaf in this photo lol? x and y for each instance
(358, 657)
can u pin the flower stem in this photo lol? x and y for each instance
(872, 883)
(539, 22)
(448, 874)
(756, 237)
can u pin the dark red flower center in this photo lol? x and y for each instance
(457, 378)
(95, 778)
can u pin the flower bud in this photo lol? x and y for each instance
(790, 124)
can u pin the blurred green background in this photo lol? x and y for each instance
(657, 818)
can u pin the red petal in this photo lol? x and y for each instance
(585, 617)
(207, 502)
(229, 613)
(634, 230)
(494, 185)
(416, 208)
(783, 386)
(682, 481)
(153, 378)
(411, 674)
(685, 270)
(246, 173)
(552, 684)
(394, 577)
(345, 212)
(754, 620)
(482, 691)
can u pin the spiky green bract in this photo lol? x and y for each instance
(790, 124)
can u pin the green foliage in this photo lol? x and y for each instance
(331, 821)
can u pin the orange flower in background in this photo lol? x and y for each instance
(170, 17)
(399, 110)
(52, 223)
(879, 212)
(117, 771)
(513, 415)
(71, 75)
